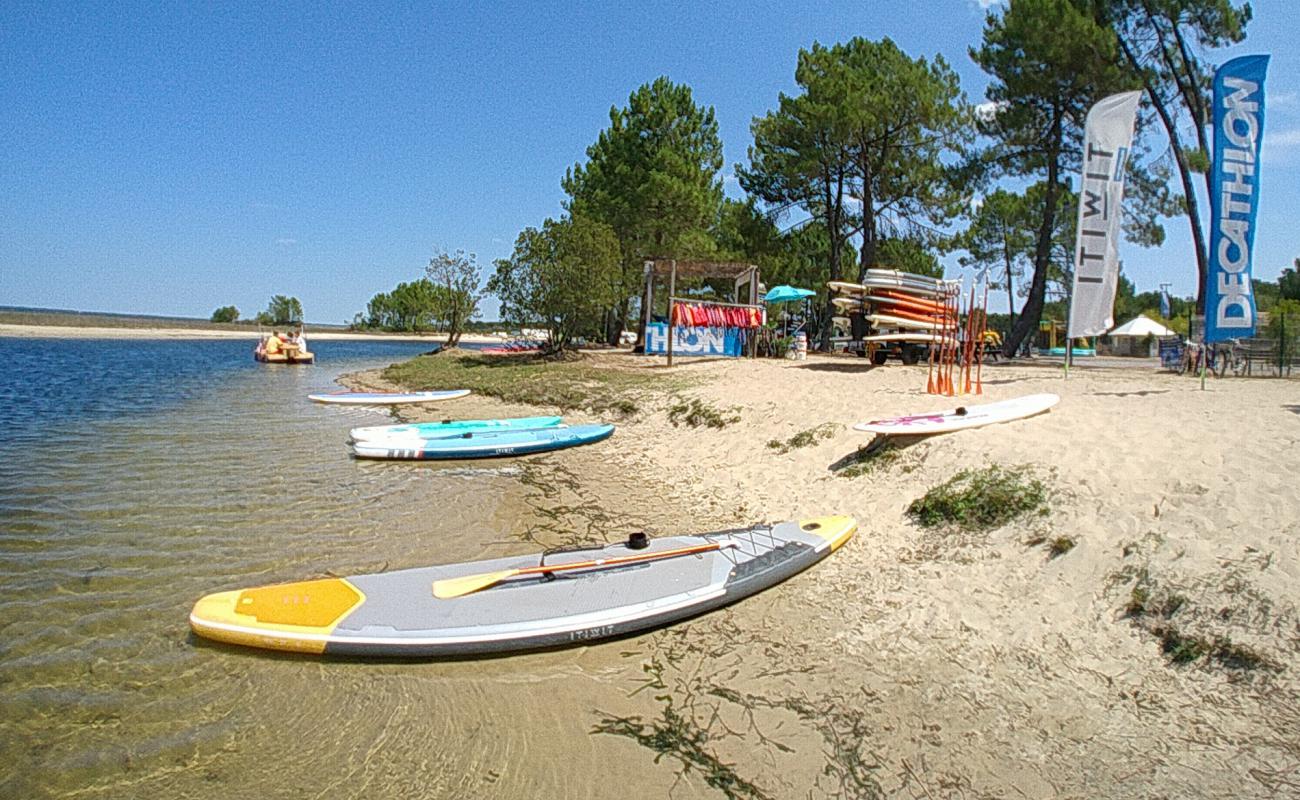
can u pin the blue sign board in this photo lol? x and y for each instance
(692, 341)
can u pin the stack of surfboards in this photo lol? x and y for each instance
(901, 306)
(473, 438)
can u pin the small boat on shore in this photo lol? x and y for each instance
(503, 605)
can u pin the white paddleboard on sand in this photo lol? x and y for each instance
(962, 417)
(385, 398)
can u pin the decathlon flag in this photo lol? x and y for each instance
(1107, 137)
(1234, 197)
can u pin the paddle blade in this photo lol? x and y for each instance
(468, 584)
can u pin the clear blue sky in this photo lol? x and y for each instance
(171, 159)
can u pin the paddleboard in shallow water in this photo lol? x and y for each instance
(484, 444)
(447, 427)
(520, 603)
(386, 398)
(961, 417)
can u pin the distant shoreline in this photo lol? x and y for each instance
(90, 332)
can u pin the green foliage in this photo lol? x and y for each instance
(281, 310)
(1048, 63)
(1158, 44)
(1289, 282)
(652, 177)
(562, 277)
(978, 500)
(456, 277)
(869, 123)
(804, 438)
(695, 412)
(226, 314)
(553, 383)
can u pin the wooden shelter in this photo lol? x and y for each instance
(743, 276)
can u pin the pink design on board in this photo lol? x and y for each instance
(915, 419)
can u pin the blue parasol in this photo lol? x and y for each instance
(786, 294)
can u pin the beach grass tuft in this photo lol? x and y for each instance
(1154, 609)
(566, 384)
(1060, 546)
(982, 499)
(696, 413)
(804, 438)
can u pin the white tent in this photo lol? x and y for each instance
(1140, 327)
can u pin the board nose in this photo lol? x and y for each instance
(834, 529)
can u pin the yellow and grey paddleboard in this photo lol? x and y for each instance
(520, 603)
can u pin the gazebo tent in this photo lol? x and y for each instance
(1140, 327)
(1131, 338)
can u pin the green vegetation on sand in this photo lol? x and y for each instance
(566, 384)
(981, 499)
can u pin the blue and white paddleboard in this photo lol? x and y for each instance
(448, 427)
(386, 398)
(489, 444)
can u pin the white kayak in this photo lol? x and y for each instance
(962, 417)
(385, 398)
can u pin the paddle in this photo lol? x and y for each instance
(468, 584)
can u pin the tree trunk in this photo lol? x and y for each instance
(1011, 295)
(1033, 310)
(1184, 174)
(834, 223)
(614, 331)
(870, 241)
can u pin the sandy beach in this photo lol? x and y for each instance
(926, 664)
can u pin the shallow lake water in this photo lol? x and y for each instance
(136, 477)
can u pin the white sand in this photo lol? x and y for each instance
(922, 664)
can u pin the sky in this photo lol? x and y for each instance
(173, 158)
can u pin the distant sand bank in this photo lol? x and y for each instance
(73, 332)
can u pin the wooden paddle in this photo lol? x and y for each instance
(468, 584)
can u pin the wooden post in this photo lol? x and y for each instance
(672, 292)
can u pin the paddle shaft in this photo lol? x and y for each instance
(612, 562)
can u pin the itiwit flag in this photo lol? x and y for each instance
(1234, 197)
(1108, 135)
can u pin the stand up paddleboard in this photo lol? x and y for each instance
(520, 603)
(449, 427)
(904, 322)
(385, 398)
(960, 418)
(483, 444)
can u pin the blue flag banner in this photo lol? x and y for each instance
(1234, 197)
(693, 341)
(1165, 310)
